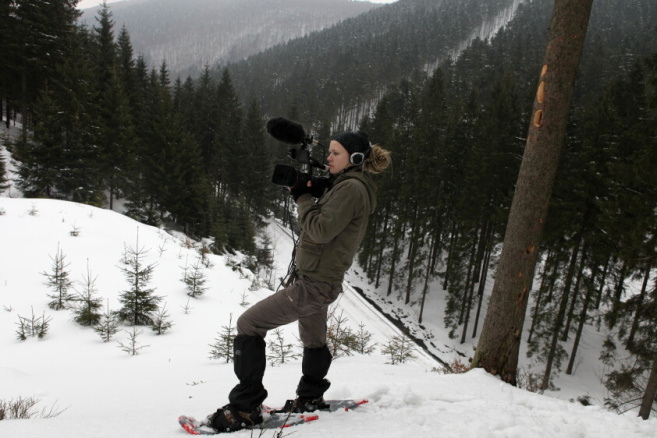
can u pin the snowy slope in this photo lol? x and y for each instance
(105, 392)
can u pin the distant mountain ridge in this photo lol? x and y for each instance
(192, 33)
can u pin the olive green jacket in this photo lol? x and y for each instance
(333, 227)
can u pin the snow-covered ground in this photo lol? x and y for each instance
(105, 392)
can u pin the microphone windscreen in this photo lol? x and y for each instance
(286, 130)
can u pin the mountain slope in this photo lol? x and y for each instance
(101, 391)
(193, 33)
(339, 74)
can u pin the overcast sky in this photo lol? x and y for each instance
(85, 4)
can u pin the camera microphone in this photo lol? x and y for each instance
(286, 130)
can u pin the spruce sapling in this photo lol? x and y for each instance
(363, 339)
(108, 325)
(59, 281)
(132, 347)
(340, 338)
(87, 313)
(162, 322)
(195, 279)
(223, 344)
(398, 350)
(139, 301)
(280, 352)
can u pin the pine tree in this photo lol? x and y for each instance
(398, 350)
(364, 343)
(499, 344)
(132, 346)
(87, 312)
(223, 344)
(257, 167)
(59, 281)
(162, 321)
(281, 352)
(40, 154)
(340, 338)
(229, 146)
(139, 302)
(194, 279)
(108, 324)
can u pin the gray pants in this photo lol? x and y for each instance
(305, 301)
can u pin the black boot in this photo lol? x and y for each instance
(249, 364)
(230, 419)
(302, 404)
(313, 385)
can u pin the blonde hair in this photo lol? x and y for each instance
(378, 160)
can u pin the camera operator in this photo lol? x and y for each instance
(332, 229)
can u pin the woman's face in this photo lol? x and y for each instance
(338, 158)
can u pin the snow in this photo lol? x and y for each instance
(105, 392)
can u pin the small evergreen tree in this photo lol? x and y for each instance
(108, 325)
(59, 281)
(132, 347)
(340, 338)
(279, 351)
(363, 340)
(32, 327)
(138, 301)
(222, 348)
(87, 313)
(194, 279)
(399, 350)
(161, 322)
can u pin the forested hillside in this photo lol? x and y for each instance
(336, 75)
(193, 33)
(457, 138)
(97, 123)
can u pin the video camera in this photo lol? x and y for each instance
(291, 132)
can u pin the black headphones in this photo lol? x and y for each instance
(358, 158)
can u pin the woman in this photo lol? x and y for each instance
(331, 232)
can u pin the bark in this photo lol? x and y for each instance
(582, 320)
(482, 286)
(639, 307)
(427, 277)
(573, 302)
(650, 394)
(499, 346)
(550, 264)
(559, 320)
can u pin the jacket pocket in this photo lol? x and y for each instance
(308, 255)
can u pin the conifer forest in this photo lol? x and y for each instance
(100, 126)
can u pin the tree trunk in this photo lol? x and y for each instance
(482, 284)
(427, 277)
(598, 299)
(450, 255)
(573, 302)
(560, 317)
(382, 246)
(551, 264)
(412, 254)
(582, 320)
(639, 307)
(468, 284)
(499, 346)
(650, 394)
(393, 257)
